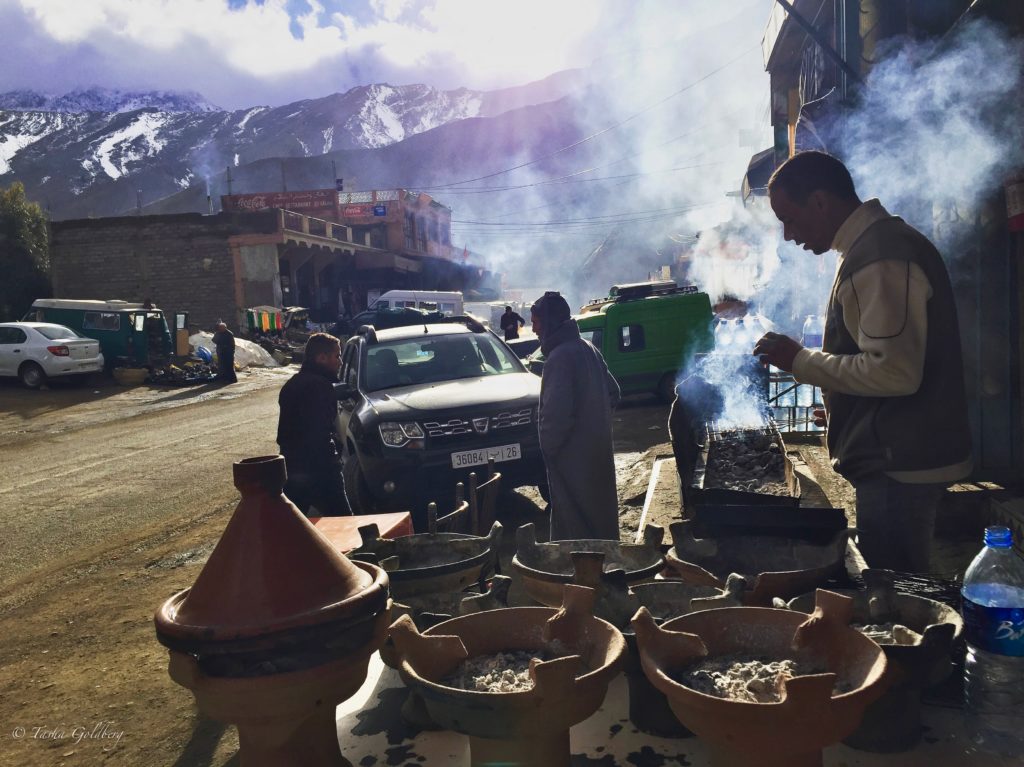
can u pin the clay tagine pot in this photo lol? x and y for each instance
(773, 566)
(918, 659)
(278, 627)
(545, 568)
(430, 563)
(527, 728)
(813, 710)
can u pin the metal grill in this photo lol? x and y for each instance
(455, 427)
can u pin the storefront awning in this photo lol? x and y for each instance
(386, 261)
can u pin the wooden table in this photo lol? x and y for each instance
(343, 532)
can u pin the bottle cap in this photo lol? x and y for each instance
(998, 537)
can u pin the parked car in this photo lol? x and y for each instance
(422, 406)
(35, 351)
(383, 318)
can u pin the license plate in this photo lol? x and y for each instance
(479, 457)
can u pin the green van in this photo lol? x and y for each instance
(130, 334)
(647, 332)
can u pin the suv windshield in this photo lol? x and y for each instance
(438, 358)
(56, 332)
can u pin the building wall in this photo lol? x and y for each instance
(259, 275)
(180, 263)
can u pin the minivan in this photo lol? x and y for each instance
(446, 302)
(647, 332)
(130, 334)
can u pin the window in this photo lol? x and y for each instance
(12, 336)
(631, 338)
(409, 230)
(348, 366)
(421, 232)
(56, 332)
(101, 321)
(596, 337)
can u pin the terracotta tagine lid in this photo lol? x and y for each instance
(271, 571)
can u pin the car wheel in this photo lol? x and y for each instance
(32, 376)
(356, 490)
(667, 387)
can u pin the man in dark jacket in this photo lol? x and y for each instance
(510, 323)
(305, 431)
(890, 365)
(577, 394)
(224, 340)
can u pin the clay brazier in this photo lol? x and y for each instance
(917, 661)
(811, 712)
(278, 628)
(529, 728)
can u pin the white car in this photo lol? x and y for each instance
(35, 351)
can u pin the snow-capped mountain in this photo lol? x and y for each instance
(90, 152)
(105, 100)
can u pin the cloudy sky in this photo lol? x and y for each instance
(239, 53)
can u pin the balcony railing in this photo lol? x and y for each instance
(315, 227)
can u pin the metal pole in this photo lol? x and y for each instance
(822, 43)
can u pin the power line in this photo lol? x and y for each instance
(603, 130)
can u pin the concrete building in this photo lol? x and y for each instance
(217, 265)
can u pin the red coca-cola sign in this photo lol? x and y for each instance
(358, 210)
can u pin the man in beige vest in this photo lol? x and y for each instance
(890, 366)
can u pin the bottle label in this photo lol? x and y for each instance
(998, 630)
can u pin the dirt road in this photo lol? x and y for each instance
(111, 501)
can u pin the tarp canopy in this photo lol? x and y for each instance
(265, 318)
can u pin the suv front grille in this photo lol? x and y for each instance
(456, 427)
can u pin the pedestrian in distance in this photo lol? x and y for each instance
(306, 431)
(890, 366)
(510, 323)
(224, 340)
(577, 394)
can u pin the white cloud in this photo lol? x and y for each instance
(255, 39)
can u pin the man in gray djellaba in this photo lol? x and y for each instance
(577, 395)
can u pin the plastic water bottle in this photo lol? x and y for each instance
(993, 608)
(813, 332)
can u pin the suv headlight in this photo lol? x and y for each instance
(396, 434)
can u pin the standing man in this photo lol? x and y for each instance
(577, 394)
(510, 323)
(305, 431)
(890, 365)
(224, 340)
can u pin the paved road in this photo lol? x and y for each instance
(86, 470)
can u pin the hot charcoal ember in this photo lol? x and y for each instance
(747, 678)
(501, 672)
(746, 459)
